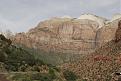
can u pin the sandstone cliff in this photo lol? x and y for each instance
(69, 35)
(107, 32)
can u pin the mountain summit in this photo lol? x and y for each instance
(101, 21)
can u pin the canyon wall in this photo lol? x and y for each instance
(69, 35)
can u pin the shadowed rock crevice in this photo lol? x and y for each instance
(118, 33)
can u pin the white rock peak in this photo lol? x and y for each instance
(92, 17)
(115, 17)
(100, 20)
(66, 16)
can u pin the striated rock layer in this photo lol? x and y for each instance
(68, 35)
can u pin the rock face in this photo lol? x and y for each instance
(69, 35)
(61, 35)
(118, 32)
(101, 21)
(107, 32)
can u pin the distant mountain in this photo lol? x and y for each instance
(102, 64)
(69, 35)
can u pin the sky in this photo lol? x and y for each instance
(21, 15)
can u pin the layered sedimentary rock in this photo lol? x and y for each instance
(107, 32)
(69, 35)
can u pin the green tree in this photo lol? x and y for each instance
(70, 76)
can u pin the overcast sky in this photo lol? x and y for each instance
(21, 15)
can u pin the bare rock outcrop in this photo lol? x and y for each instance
(118, 32)
(69, 35)
(61, 35)
(107, 32)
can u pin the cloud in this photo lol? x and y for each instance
(6, 24)
(21, 15)
(101, 3)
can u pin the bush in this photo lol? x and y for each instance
(69, 75)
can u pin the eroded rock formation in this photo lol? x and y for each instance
(69, 35)
(118, 32)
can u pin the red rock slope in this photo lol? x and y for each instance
(102, 64)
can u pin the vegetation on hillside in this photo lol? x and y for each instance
(21, 64)
(14, 57)
(53, 58)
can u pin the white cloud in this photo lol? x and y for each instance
(6, 24)
(98, 4)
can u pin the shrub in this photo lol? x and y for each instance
(69, 75)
